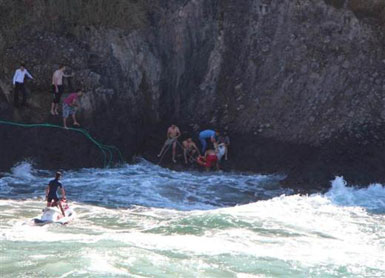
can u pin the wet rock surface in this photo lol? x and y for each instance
(298, 84)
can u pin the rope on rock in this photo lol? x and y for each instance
(104, 149)
(164, 154)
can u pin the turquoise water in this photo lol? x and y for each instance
(145, 221)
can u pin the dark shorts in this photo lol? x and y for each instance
(170, 141)
(54, 198)
(57, 95)
(191, 151)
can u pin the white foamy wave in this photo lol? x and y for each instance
(23, 170)
(296, 236)
(145, 184)
(372, 197)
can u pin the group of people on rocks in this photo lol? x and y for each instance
(57, 89)
(208, 158)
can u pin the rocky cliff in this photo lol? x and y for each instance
(298, 84)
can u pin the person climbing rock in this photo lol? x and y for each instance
(51, 195)
(173, 134)
(57, 88)
(69, 107)
(209, 160)
(19, 86)
(208, 134)
(190, 149)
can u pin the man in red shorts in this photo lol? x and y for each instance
(209, 160)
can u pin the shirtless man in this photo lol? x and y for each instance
(189, 149)
(173, 134)
(57, 88)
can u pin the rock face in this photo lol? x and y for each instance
(298, 84)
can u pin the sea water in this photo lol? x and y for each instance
(144, 221)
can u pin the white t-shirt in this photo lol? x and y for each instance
(221, 151)
(20, 75)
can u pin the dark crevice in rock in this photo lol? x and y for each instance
(336, 3)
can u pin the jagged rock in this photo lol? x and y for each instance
(178, 62)
(346, 65)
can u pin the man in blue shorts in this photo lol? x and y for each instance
(50, 192)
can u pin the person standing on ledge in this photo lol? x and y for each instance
(57, 88)
(173, 134)
(18, 83)
(50, 193)
(69, 107)
(208, 134)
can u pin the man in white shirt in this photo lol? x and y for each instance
(57, 88)
(18, 83)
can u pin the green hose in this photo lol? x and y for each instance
(103, 148)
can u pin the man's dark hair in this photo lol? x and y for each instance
(57, 175)
(79, 90)
(22, 65)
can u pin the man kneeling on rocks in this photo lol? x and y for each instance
(209, 160)
(190, 149)
(69, 107)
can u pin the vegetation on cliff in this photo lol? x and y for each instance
(127, 14)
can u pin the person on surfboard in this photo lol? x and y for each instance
(50, 193)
